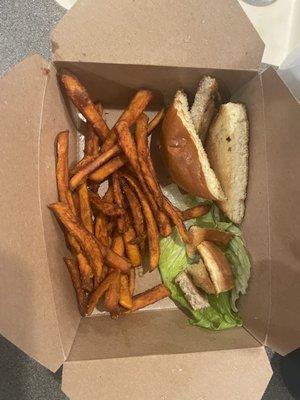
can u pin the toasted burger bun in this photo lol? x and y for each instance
(217, 266)
(205, 105)
(184, 154)
(227, 150)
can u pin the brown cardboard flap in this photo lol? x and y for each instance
(254, 306)
(272, 221)
(232, 374)
(282, 115)
(115, 84)
(150, 333)
(27, 312)
(56, 119)
(194, 33)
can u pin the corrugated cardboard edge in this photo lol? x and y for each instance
(193, 33)
(231, 374)
(255, 305)
(28, 316)
(282, 116)
(55, 118)
(270, 308)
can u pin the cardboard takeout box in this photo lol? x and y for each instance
(115, 48)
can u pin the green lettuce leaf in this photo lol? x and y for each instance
(222, 313)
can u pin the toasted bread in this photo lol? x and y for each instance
(200, 277)
(227, 150)
(217, 266)
(195, 299)
(205, 105)
(184, 154)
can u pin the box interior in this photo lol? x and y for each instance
(113, 86)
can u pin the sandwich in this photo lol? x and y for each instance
(205, 149)
(227, 150)
(184, 153)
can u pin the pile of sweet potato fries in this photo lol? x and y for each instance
(108, 236)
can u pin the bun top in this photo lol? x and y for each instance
(184, 154)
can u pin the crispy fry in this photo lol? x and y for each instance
(112, 295)
(175, 216)
(86, 273)
(199, 235)
(86, 240)
(156, 120)
(88, 168)
(109, 194)
(85, 208)
(107, 169)
(118, 245)
(73, 245)
(91, 143)
(101, 232)
(136, 211)
(195, 212)
(125, 295)
(109, 209)
(130, 115)
(153, 236)
(122, 222)
(80, 98)
(104, 272)
(132, 249)
(81, 164)
(62, 175)
(132, 281)
(150, 296)
(75, 277)
(113, 260)
(141, 137)
(127, 144)
(96, 295)
(111, 226)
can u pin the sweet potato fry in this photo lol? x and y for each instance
(112, 295)
(109, 194)
(107, 169)
(150, 296)
(85, 208)
(91, 142)
(75, 277)
(86, 273)
(62, 174)
(96, 295)
(176, 218)
(136, 211)
(132, 281)
(153, 236)
(118, 245)
(113, 260)
(130, 115)
(125, 295)
(81, 164)
(127, 144)
(109, 209)
(101, 232)
(156, 120)
(131, 248)
(80, 98)
(141, 137)
(122, 221)
(199, 235)
(195, 212)
(86, 240)
(83, 173)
